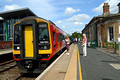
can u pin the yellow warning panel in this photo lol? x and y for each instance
(28, 41)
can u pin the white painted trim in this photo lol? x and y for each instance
(113, 33)
(108, 34)
(119, 27)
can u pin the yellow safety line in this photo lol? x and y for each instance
(80, 72)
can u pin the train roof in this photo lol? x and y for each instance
(39, 18)
(48, 21)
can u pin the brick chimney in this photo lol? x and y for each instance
(118, 7)
(106, 9)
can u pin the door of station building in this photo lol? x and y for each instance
(28, 36)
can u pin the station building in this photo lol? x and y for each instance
(6, 24)
(103, 28)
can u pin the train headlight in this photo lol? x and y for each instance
(18, 48)
(45, 47)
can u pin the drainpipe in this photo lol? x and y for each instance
(101, 23)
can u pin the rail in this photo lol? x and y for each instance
(7, 66)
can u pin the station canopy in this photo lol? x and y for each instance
(18, 13)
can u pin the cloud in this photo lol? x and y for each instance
(42, 8)
(9, 0)
(79, 18)
(78, 23)
(58, 22)
(113, 6)
(11, 7)
(64, 27)
(99, 9)
(70, 10)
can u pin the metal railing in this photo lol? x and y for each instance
(109, 44)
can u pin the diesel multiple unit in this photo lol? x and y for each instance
(35, 42)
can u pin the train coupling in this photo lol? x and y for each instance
(28, 64)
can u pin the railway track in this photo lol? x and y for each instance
(26, 77)
(7, 65)
(10, 71)
(1, 64)
(18, 77)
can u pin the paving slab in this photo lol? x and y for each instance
(63, 69)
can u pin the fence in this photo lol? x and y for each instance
(110, 44)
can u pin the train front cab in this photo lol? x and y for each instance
(31, 44)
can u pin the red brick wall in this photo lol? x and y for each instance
(5, 44)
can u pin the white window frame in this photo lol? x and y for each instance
(119, 28)
(109, 34)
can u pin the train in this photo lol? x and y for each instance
(35, 42)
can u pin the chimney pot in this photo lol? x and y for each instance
(106, 9)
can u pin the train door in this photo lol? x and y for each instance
(61, 41)
(54, 43)
(28, 39)
(58, 42)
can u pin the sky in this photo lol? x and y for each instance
(69, 15)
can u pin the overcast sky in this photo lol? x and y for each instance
(69, 15)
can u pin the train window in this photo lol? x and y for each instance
(54, 39)
(43, 32)
(44, 43)
(61, 37)
(16, 34)
(16, 37)
(58, 37)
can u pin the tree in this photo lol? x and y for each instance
(76, 35)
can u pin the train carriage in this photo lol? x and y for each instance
(35, 42)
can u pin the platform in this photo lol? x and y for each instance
(65, 68)
(5, 51)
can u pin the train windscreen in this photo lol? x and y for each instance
(44, 43)
(16, 37)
